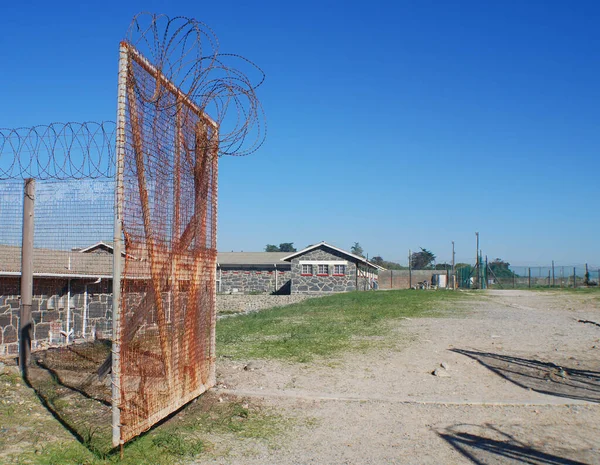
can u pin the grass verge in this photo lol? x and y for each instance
(31, 436)
(586, 293)
(325, 326)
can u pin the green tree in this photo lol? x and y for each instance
(500, 268)
(356, 249)
(422, 260)
(443, 266)
(287, 247)
(468, 268)
(378, 260)
(283, 247)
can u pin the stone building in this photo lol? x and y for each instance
(253, 272)
(72, 289)
(323, 268)
(72, 296)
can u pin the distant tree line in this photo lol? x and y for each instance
(424, 259)
(283, 247)
(498, 267)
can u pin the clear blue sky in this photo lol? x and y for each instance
(395, 124)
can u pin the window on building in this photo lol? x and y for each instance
(323, 270)
(307, 270)
(339, 270)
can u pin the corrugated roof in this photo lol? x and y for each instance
(48, 262)
(289, 257)
(251, 258)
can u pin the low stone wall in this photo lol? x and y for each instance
(247, 303)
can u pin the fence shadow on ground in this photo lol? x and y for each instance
(543, 377)
(489, 445)
(66, 382)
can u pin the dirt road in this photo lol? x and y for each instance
(520, 383)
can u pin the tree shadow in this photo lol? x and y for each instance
(488, 445)
(66, 382)
(543, 377)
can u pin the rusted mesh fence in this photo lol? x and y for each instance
(121, 311)
(169, 226)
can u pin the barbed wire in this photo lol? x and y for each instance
(58, 151)
(186, 52)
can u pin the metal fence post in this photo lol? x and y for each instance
(529, 273)
(26, 276)
(574, 277)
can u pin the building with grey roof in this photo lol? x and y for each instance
(73, 288)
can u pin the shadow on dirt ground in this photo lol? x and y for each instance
(66, 382)
(543, 377)
(489, 445)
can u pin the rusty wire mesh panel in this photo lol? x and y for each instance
(168, 155)
(169, 226)
(138, 196)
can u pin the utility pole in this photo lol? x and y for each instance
(453, 276)
(476, 283)
(409, 270)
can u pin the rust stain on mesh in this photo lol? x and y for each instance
(169, 224)
(161, 347)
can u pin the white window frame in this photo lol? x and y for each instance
(324, 267)
(309, 267)
(339, 270)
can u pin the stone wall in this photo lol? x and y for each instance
(253, 279)
(49, 311)
(322, 284)
(227, 304)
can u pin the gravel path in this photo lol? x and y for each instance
(521, 383)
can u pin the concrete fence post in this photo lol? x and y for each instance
(26, 277)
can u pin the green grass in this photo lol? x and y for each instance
(592, 292)
(30, 435)
(187, 435)
(577, 290)
(315, 328)
(325, 326)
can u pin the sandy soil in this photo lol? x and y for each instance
(521, 384)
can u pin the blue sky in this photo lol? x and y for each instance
(395, 124)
